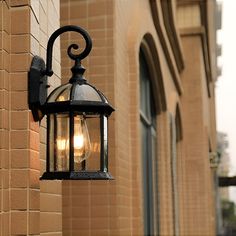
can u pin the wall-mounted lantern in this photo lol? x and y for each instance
(77, 117)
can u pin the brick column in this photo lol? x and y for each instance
(4, 118)
(26, 206)
(198, 216)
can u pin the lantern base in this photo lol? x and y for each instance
(77, 175)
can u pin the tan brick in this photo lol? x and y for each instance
(53, 187)
(19, 158)
(102, 232)
(1, 18)
(43, 135)
(34, 179)
(20, 43)
(64, 12)
(34, 160)
(19, 81)
(19, 139)
(42, 152)
(34, 226)
(19, 100)
(34, 126)
(99, 223)
(42, 167)
(50, 202)
(4, 134)
(97, 8)
(78, 10)
(50, 222)
(6, 17)
(80, 224)
(4, 99)
(19, 223)
(1, 60)
(5, 200)
(17, 25)
(19, 178)
(76, 212)
(34, 199)
(2, 81)
(6, 160)
(19, 120)
(5, 177)
(97, 23)
(6, 41)
(34, 140)
(20, 62)
(18, 199)
(6, 224)
(15, 3)
(6, 61)
(4, 119)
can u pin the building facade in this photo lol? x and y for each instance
(156, 62)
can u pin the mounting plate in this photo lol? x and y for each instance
(37, 87)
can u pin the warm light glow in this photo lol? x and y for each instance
(79, 141)
(61, 144)
(82, 145)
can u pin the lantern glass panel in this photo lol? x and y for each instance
(86, 92)
(87, 142)
(62, 93)
(59, 147)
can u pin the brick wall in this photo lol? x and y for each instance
(24, 32)
(115, 208)
(5, 118)
(89, 207)
(117, 28)
(198, 189)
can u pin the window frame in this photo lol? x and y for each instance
(148, 117)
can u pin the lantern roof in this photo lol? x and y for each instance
(79, 96)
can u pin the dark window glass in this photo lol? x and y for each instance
(148, 147)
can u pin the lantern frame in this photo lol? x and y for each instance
(41, 105)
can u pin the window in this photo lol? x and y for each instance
(148, 148)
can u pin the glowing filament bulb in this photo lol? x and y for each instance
(82, 145)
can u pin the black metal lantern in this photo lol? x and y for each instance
(77, 117)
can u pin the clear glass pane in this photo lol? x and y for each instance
(92, 158)
(62, 93)
(82, 144)
(145, 88)
(65, 94)
(59, 149)
(85, 92)
(51, 140)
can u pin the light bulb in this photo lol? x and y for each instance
(82, 145)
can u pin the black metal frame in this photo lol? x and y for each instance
(37, 76)
(38, 103)
(101, 174)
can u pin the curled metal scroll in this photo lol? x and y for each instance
(75, 57)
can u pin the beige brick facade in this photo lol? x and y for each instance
(178, 42)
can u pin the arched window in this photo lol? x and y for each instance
(148, 147)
